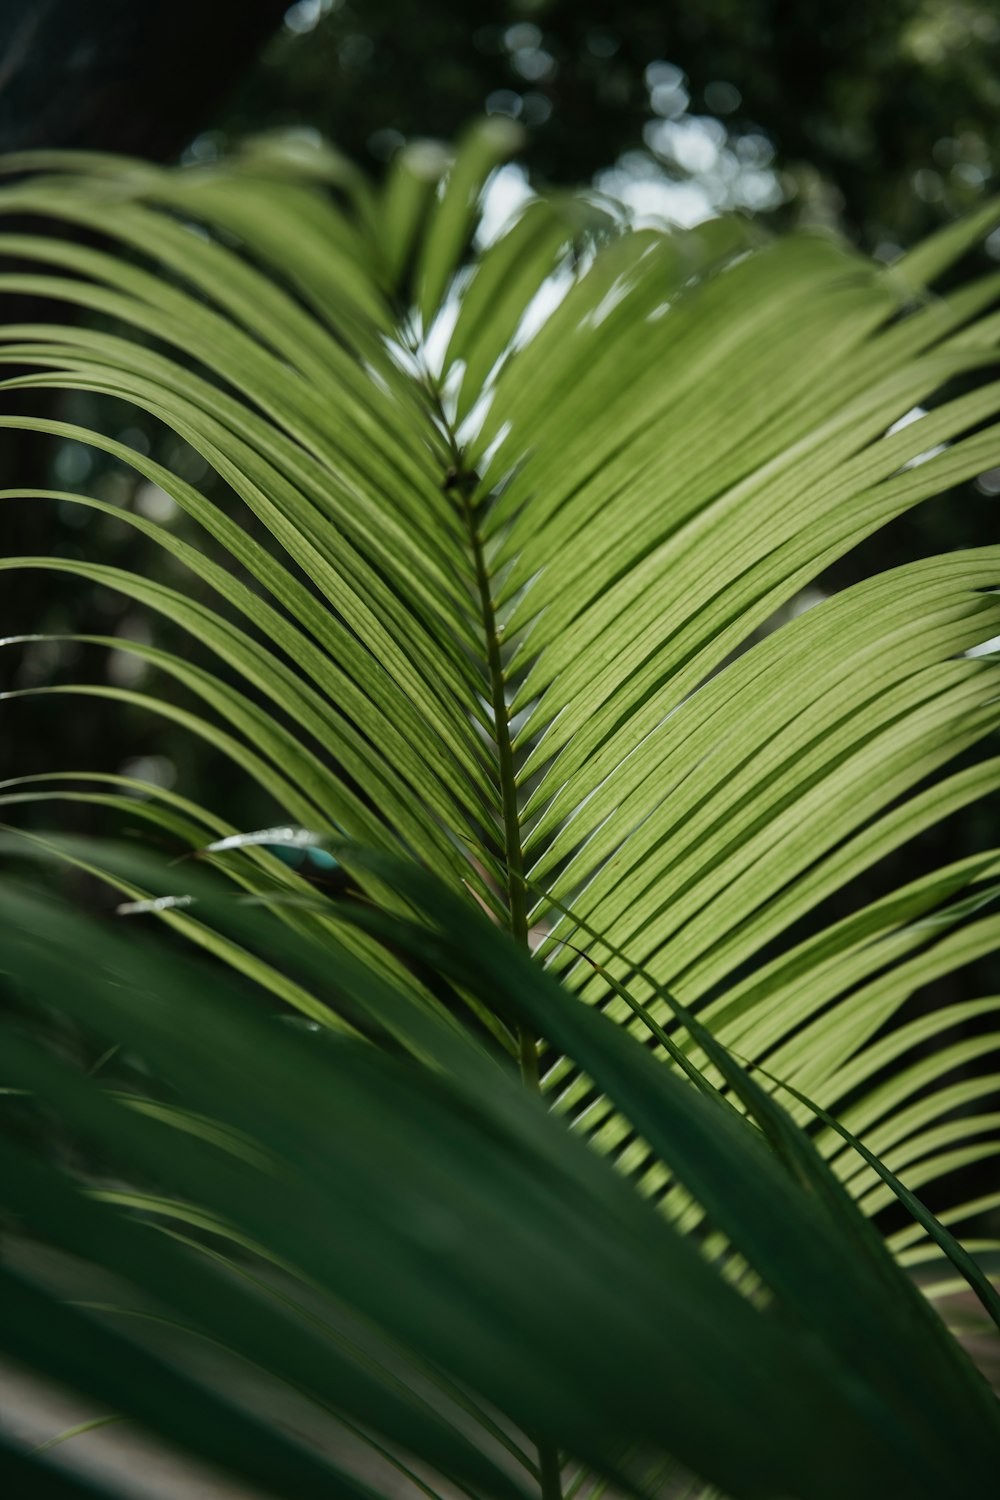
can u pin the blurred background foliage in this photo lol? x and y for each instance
(883, 120)
(875, 122)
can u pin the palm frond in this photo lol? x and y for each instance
(531, 510)
(383, 1226)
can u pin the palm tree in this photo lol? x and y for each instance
(532, 506)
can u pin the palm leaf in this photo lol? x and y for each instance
(435, 1204)
(531, 510)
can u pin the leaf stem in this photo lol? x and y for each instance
(513, 856)
(517, 898)
(550, 1473)
(461, 481)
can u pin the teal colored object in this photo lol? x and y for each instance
(296, 858)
